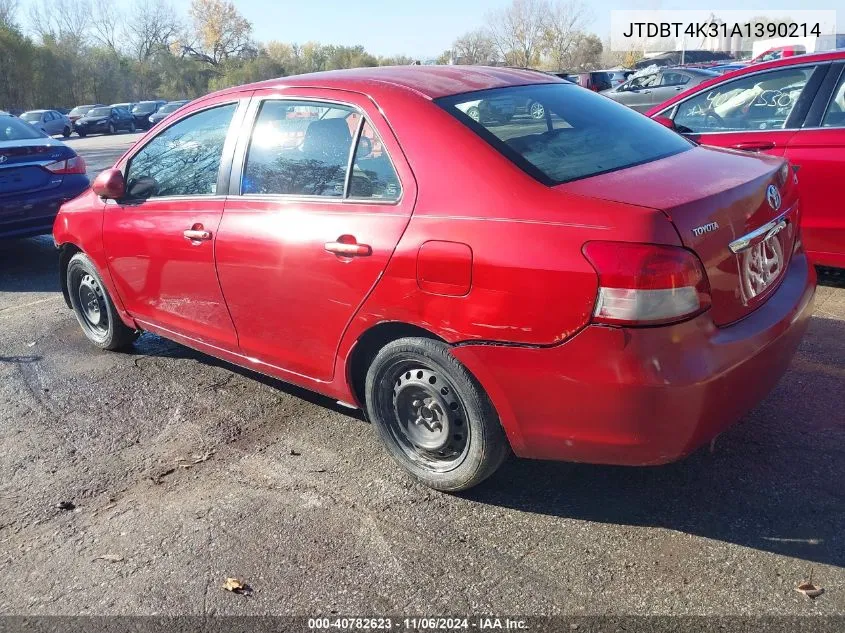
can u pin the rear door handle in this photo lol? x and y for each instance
(347, 246)
(754, 146)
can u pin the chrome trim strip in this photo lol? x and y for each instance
(769, 229)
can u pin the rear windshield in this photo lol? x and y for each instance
(12, 129)
(574, 134)
(144, 106)
(99, 111)
(170, 107)
(80, 110)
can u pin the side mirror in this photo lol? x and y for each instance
(110, 185)
(665, 121)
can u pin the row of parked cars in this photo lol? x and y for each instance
(99, 118)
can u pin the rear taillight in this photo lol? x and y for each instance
(75, 165)
(646, 284)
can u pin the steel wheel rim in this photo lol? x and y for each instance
(92, 305)
(537, 111)
(426, 417)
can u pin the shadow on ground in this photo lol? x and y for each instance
(29, 265)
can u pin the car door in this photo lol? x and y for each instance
(636, 92)
(46, 118)
(160, 239)
(304, 239)
(755, 112)
(817, 152)
(670, 83)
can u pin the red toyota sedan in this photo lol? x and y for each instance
(793, 108)
(586, 286)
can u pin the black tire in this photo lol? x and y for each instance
(66, 132)
(132, 128)
(112, 129)
(82, 134)
(456, 440)
(93, 306)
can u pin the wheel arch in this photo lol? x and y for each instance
(368, 345)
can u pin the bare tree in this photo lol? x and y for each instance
(156, 28)
(107, 24)
(8, 12)
(475, 47)
(60, 21)
(563, 29)
(218, 32)
(517, 31)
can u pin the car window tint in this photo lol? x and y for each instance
(582, 134)
(184, 159)
(761, 101)
(673, 79)
(299, 148)
(373, 175)
(835, 115)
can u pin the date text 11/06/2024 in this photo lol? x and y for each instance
(418, 624)
(721, 29)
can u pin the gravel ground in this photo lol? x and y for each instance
(183, 470)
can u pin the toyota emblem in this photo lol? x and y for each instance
(773, 197)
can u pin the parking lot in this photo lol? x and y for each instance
(178, 470)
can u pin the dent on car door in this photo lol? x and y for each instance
(758, 112)
(304, 239)
(817, 152)
(159, 240)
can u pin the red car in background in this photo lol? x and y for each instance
(792, 108)
(477, 288)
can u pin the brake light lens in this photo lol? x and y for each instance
(75, 165)
(647, 284)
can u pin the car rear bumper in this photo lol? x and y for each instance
(33, 213)
(640, 396)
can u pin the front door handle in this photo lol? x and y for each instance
(348, 246)
(754, 146)
(197, 233)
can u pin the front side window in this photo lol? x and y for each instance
(184, 159)
(835, 115)
(583, 134)
(645, 81)
(299, 148)
(761, 101)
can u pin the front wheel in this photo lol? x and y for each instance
(536, 110)
(82, 134)
(132, 128)
(94, 308)
(433, 415)
(66, 132)
(112, 129)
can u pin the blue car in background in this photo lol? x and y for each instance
(37, 175)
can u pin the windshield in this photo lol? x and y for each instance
(31, 116)
(574, 134)
(80, 110)
(169, 107)
(99, 112)
(12, 129)
(144, 106)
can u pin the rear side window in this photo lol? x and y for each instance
(299, 148)
(373, 175)
(835, 115)
(762, 101)
(184, 159)
(581, 135)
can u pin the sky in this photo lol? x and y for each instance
(425, 28)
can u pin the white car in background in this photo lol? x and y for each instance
(500, 110)
(50, 122)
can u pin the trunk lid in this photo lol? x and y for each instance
(22, 165)
(715, 198)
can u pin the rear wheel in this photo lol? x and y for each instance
(81, 134)
(94, 308)
(433, 416)
(536, 110)
(474, 113)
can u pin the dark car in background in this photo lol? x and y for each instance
(168, 108)
(37, 175)
(142, 111)
(105, 120)
(81, 110)
(596, 81)
(646, 89)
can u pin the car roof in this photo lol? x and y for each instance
(431, 82)
(36, 111)
(797, 60)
